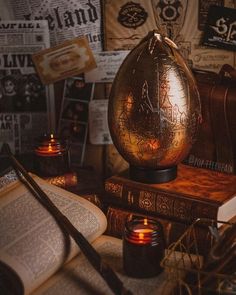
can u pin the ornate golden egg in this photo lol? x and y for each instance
(154, 109)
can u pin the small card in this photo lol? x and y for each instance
(220, 31)
(98, 123)
(108, 63)
(68, 59)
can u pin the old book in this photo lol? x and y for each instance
(78, 181)
(75, 182)
(36, 257)
(67, 180)
(194, 193)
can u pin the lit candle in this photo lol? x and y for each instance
(50, 146)
(51, 156)
(143, 247)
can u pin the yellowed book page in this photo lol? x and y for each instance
(31, 242)
(78, 276)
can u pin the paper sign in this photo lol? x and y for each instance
(108, 63)
(98, 123)
(68, 59)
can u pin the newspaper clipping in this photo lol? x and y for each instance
(66, 19)
(25, 103)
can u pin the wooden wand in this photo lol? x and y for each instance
(91, 254)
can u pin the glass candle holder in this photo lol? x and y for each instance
(52, 156)
(143, 247)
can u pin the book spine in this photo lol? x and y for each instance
(116, 218)
(173, 230)
(158, 202)
(66, 180)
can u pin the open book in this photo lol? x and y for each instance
(36, 257)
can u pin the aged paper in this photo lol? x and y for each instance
(71, 58)
(78, 277)
(98, 125)
(108, 63)
(66, 19)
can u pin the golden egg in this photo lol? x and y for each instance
(154, 107)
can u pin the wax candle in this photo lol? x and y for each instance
(143, 247)
(52, 156)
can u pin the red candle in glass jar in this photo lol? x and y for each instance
(52, 156)
(49, 146)
(143, 247)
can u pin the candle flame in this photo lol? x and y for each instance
(51, 136)
(145, 222)
(50, 147)
(141, 236)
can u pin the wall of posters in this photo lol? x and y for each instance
(183, 21)
(26, 105)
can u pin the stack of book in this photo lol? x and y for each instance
(195, 193)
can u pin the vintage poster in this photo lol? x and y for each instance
(25, 104)
(126, 23)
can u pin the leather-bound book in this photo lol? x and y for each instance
(195, 193)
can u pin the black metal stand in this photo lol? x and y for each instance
(148, 175)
